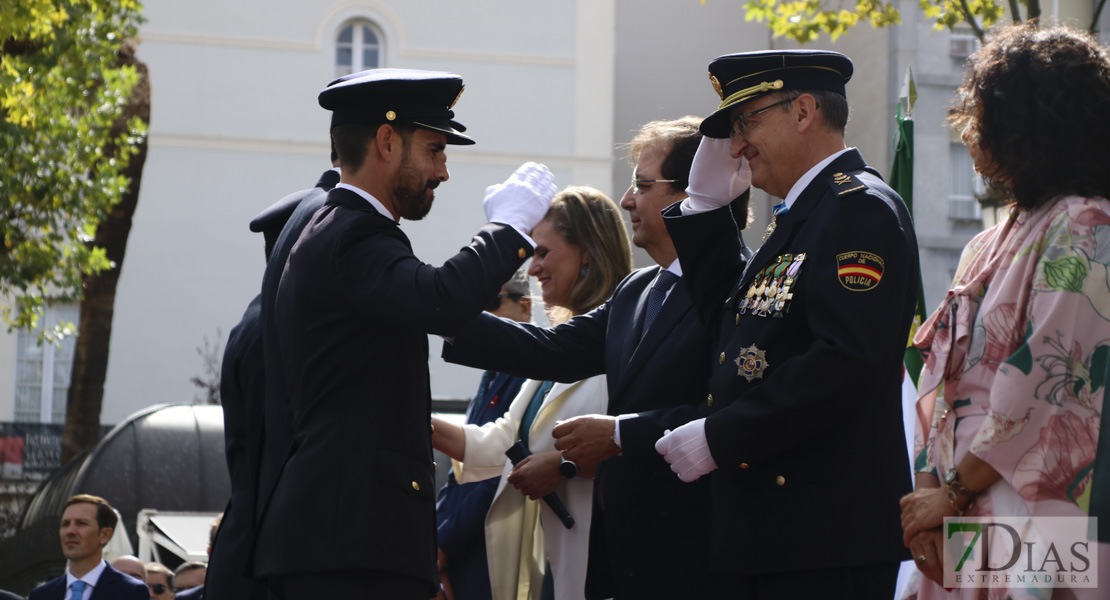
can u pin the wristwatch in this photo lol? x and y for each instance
(568, 469)
(952, 481)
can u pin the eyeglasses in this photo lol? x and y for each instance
(636, 183)
(495, 302)
(157, 588)
(740, 124)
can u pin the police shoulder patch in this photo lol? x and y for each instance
(846, 183)
(859, 271)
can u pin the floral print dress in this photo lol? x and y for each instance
(1016, 360)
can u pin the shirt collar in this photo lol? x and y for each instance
(89, 578)
(675, 268)
(806, 179)
(367, 197)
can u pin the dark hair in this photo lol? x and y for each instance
(588, 218)
(105, 516)
(834, 107)
(1038, 104)
(352, 140)
(678, 138)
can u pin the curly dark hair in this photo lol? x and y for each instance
(1039, 103)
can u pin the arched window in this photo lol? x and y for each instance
(357, 48)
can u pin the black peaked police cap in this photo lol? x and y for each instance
(419, 98)
(740, 78)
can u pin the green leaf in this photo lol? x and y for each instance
(1066, 274)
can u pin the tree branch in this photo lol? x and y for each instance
(1094, 20)
(1015, 12)
(1033, 9)
(16, 47)
(971, 21)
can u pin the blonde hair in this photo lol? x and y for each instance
(586, 217)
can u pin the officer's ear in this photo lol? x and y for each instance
(805, 112)
(390, 145)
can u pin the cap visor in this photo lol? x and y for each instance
(717, 124)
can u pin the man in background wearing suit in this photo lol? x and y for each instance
(649, 531)
(353, 311)
(87, 525)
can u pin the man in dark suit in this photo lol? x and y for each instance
(242, 394)
(87, 525)
(802, 438)
(352, 511)
(648, 529)
(461, 508)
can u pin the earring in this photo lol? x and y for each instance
(583, 272)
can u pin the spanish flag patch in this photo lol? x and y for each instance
(859, 271)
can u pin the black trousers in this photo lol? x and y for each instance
(871, 582)
(349, 584)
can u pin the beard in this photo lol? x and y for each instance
(412, 195)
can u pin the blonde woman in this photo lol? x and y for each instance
(582, 253)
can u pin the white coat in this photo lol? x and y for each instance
(515, 542)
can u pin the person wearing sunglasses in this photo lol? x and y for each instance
(159, 580)
(461, 508)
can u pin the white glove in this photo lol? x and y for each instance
(687, 451)
(716, 178)
(521, 201)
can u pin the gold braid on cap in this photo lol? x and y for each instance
(452, 105)
(747, 93)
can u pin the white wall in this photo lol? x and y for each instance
(235, 126)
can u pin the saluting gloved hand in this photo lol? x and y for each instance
(521, 201)
(716, 178)
(687, 451)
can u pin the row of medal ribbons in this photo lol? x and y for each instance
(769, 294)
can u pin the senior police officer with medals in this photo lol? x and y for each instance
(803, 440)
(352, 514)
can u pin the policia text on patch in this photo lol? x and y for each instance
(859, 271)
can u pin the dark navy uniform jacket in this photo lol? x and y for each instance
(242, 395)
(804, 402)
(353, 312)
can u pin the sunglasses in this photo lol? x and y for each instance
(495, 302)
(158, 588)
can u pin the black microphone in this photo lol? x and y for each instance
(518, 452)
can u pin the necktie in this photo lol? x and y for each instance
(655, 297)
(78, 588)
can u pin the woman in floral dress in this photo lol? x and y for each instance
(1017, 354)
